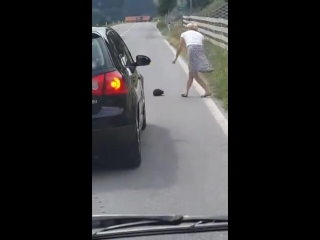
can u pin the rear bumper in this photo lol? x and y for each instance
(103, 138)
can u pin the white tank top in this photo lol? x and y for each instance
(192, 37)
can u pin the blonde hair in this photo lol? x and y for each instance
(192, 26)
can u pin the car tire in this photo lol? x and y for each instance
(133, 156)
(144, 124)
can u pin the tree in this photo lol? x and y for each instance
(97, 16)
(114, 10)
(164, 6)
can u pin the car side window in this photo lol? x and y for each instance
(113, 52)
(122, 50)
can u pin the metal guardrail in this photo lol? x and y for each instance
(214, 29)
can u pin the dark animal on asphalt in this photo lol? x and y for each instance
(158, 92)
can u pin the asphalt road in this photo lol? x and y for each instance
(184, 167)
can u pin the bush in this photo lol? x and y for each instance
(161, 25)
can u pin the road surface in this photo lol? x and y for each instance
(184, 167)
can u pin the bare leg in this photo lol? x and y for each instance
(202, 84)
(189, 83)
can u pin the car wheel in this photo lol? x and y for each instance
(133, 156)
(144, 124)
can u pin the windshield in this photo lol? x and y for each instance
(160, 125)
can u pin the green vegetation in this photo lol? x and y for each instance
(218, 80)
(162, 26)
(164, 6)
(116, 10)
(210, 7)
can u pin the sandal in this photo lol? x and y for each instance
(206, 95)
(184, 95)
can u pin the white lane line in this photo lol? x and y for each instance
(128, 30)
(214, 110)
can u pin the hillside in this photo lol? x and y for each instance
(114, 10)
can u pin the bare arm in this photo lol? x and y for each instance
(180, 47)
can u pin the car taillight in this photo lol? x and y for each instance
(114, 84)
(108, 84)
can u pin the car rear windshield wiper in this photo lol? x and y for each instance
(111, 223)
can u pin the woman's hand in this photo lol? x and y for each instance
(174, 60)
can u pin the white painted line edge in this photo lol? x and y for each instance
(127, 30)
(214, 110)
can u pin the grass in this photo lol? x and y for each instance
(218, 80)
(212, 6)
(162, 26)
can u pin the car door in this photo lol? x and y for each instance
(134, 77)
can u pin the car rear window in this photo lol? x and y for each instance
(100, 56)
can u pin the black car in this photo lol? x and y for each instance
(118, 102)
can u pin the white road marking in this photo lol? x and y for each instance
(128, 30)
(214, 110)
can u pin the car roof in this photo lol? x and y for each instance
(101, 31)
